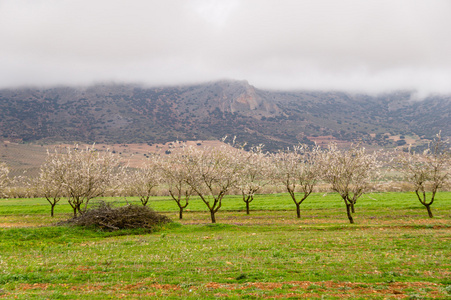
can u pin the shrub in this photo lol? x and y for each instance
(109, 218)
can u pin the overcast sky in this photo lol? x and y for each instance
(353, 45)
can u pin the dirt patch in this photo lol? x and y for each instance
(35, 286)
(307, 289)
(300, 289)
(11, 225)
(325, 140)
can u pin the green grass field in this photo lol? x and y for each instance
(394, 251)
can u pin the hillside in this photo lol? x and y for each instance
(135, 114)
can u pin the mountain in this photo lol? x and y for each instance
(114, 113)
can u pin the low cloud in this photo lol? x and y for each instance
(367, 46)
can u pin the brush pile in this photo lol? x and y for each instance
(109, 218)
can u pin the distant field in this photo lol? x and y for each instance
(29, 157)
(394, 251)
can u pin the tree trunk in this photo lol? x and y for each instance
(352, 207)
(428, 207)
(348, 210)
(247, 207)
(75, 211)
(79, 209)
(52, 210)
(298, 210)
(213, 218)
(181, 213)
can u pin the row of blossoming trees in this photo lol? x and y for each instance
(80, 175)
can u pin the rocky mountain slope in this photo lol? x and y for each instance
(135, 114)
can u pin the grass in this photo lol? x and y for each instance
(394, 251)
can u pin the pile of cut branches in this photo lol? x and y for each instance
(109, 218)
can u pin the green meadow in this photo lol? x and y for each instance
(394, 251)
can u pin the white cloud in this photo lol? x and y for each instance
(215, 12)
(292, 44)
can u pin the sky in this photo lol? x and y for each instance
(351, 45)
